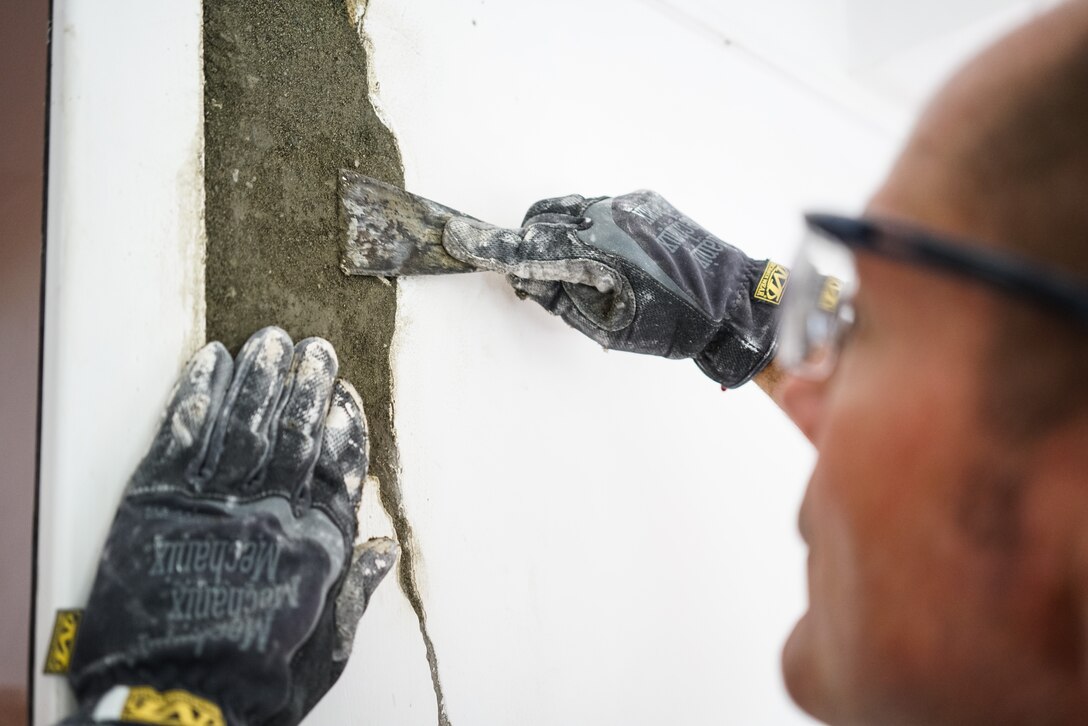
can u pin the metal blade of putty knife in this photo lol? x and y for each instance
(390, 232)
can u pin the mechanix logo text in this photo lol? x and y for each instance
(772, 284)
(683, 234)
(215, 557)
(219, 589)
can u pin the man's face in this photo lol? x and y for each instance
(897, 437)
(947, 555)
(931, 580)
(945, 559)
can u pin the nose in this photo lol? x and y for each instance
(803, 399)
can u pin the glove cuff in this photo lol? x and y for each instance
(729, 362)
(747, 341)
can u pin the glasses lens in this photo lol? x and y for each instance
(818, 309)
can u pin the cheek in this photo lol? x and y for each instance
(879, 511)
(892, 452)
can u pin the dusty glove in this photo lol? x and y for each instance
(634, 274)
(230, 585)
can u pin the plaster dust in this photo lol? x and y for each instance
(286, 105)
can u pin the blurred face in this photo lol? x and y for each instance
(935, 592)
(898, 587)
(947, 559)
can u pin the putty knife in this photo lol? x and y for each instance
(390, 232)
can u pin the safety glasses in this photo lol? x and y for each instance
(817, 310)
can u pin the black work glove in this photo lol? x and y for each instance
(230, 579)
(634, 274)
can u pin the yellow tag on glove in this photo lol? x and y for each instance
(772, 284)
(169, 708)
(65, 627)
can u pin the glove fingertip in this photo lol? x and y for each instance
(463, 237)
(345, 446)
(541, 291)
(210, 372)
(321, 352)
(190, 414)
(376, 558)
(571, 204)
(371, 562)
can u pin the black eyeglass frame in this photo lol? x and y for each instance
(1008, 272)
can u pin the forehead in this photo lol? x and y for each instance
(924, 190)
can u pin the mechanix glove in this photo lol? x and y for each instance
(230, 585)
(635, 274)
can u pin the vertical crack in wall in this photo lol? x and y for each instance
(393, 503)
(286, 104)
(391, 496)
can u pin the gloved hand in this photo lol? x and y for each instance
(634, 274)
(230, 581)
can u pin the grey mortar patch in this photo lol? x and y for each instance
(286, 105)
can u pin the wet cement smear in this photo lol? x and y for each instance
(286, 105)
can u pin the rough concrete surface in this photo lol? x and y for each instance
(286, 106)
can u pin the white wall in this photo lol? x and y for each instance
(605, 538)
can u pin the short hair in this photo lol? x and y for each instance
(1027, 172)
